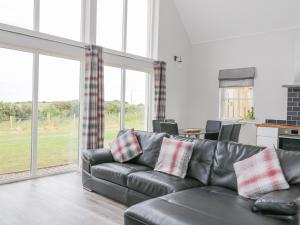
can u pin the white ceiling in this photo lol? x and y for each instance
(209, 20)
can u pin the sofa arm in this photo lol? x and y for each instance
(94, 157)
(284, 202)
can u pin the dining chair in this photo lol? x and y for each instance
(236, 132)
(212, 129)
(169, 128)
(225, 132)
(156, 126)
(169, 120)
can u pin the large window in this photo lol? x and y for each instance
(56, 118)
(236, 102)
(40, 80)
(123, 25)
(112, 95)
(17, 13)
(56, 17)
(137, 27)
(61, 18)
(109, 24)
(125, 100)
(135, 100)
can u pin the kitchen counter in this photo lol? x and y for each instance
(281, 136)
(282, 126)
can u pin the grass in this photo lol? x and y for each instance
(57, 145)
(57, 141)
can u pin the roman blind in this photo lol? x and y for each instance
(241, 77)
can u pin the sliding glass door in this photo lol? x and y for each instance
(112, 98)
(58, 113)
(127, 101)
(52, 145)
(136, 100)
(15, 113)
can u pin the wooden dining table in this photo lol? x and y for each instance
(191, 132)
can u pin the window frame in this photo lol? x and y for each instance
(150, 27)
(222, 100)
(28, 40)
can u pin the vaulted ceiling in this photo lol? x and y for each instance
(208, 20)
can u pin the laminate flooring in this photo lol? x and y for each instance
(56, 200)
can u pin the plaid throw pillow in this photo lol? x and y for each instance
(259, 174)
(125, 147)
(174, 157)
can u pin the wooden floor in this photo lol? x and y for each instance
(56, 200)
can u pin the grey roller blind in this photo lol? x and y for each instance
(242, 77)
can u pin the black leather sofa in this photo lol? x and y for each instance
(207, 196)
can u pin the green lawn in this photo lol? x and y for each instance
(57, 144)
(57, 141)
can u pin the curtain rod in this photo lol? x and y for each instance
(84, 46)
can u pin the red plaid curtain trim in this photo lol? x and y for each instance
(160, 90)
(93, 112)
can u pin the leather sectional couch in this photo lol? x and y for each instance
(208, 194)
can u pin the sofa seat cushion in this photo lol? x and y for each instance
(155, 184)
(197, 206)
(219, 190)
(116, 172)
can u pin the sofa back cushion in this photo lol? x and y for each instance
(202, 158)
(150, 144)
(290, 164)
(226, 155)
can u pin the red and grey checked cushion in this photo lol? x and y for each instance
(174, 157)
(259, 174)
(125, 147)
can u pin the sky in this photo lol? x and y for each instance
(58, 77)
(135, 85)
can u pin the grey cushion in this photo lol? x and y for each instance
(155, 184)
(227, 154)
(202, 158)
(116, 172)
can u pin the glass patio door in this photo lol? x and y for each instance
(58, 114)
(15, 113)
(39, 114)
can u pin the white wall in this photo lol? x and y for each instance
(273, 54)
(173, 40)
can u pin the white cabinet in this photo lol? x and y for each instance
(267, 137)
